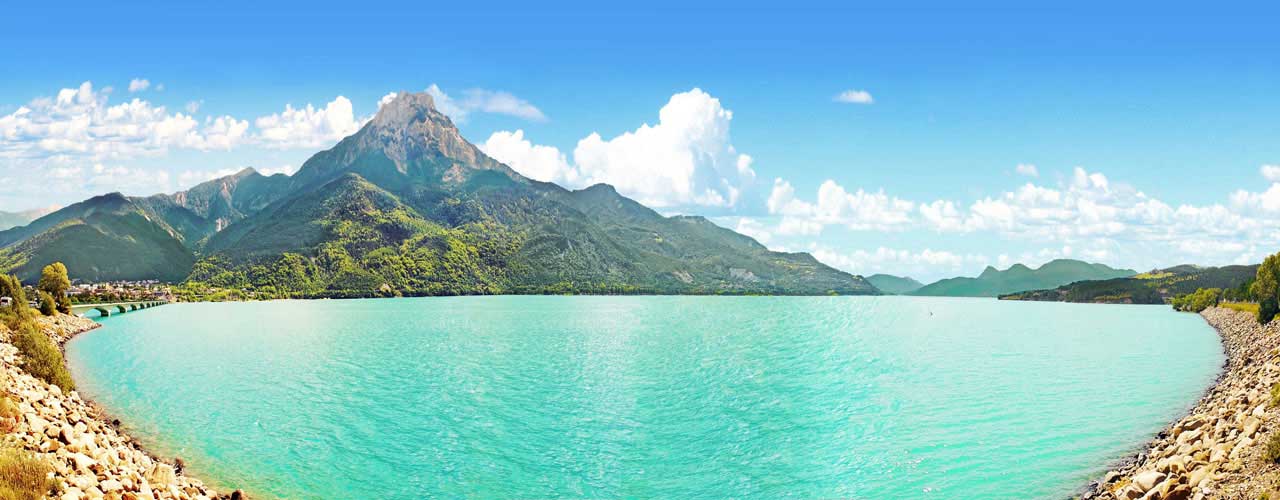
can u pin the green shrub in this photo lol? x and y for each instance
(40, 357)
(1267, 309)
(47, 306)
(11, 286)
(1273, 448)
(23, 476)
(1197, 301)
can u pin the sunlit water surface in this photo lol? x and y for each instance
(668, 397)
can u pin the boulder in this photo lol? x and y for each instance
(1148, 480)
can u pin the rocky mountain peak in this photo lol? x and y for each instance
(404, 109)
(422, 144)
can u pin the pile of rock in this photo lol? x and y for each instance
(90, 456)
(1217, 450)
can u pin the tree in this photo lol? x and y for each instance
(48, 305)
(11, 286)
(54, 280)
(1266, 288)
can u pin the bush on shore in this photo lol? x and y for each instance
(1266, 288)
(23, 476)
(40, 357)
(47, 305)
(1198, 301)
(11, 287)
(1272, 453)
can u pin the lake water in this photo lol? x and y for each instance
(668, 397)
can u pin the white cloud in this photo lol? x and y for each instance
(80, 123)
(1027, 169)
(922, 264)
(543, 163)
(483, 101)
(859, 210)
(1270, 172)
(139, 84)
(685, 159)
(852, 96)
(754, 229)
(309, 127)
(286, 169)
(193, 106)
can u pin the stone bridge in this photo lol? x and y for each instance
(105, 310)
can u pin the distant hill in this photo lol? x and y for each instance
(15, 219)
(1154, 287)
(993, 282)
(897, 285)
(407, 206)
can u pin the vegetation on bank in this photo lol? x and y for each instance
(1197, 301)
(40, 356)
(1247, 307)
(1156, 287)
(1259, 294)
(22, 475)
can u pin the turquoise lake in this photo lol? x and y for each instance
(663, 397)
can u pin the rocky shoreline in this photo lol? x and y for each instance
(1219, 449)
(91, 456)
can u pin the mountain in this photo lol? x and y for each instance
(407, 206)
(897, 285)
(15, 219)
(1154, 287)
(213, 205)
(104, 237)
(993, 282)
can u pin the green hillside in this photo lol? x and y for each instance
(993, 282)
(898, 285)
(105, 237)
(407, 206)
(1155, 287)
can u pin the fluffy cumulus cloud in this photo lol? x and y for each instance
(852, 96)
(1027, 169)
(543, 163)
(919, 263)
(1270, 172)
(81, 123)
(139, 84)
(1085, 216)
(309, 126)
(483, 101)
(685, 159)
(860, 210)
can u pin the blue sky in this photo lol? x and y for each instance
(1149, 127)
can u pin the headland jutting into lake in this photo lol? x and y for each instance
(92, 457)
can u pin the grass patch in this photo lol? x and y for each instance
(23, 476)
(1249, 307)
(1275, 395)
(40, 357)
